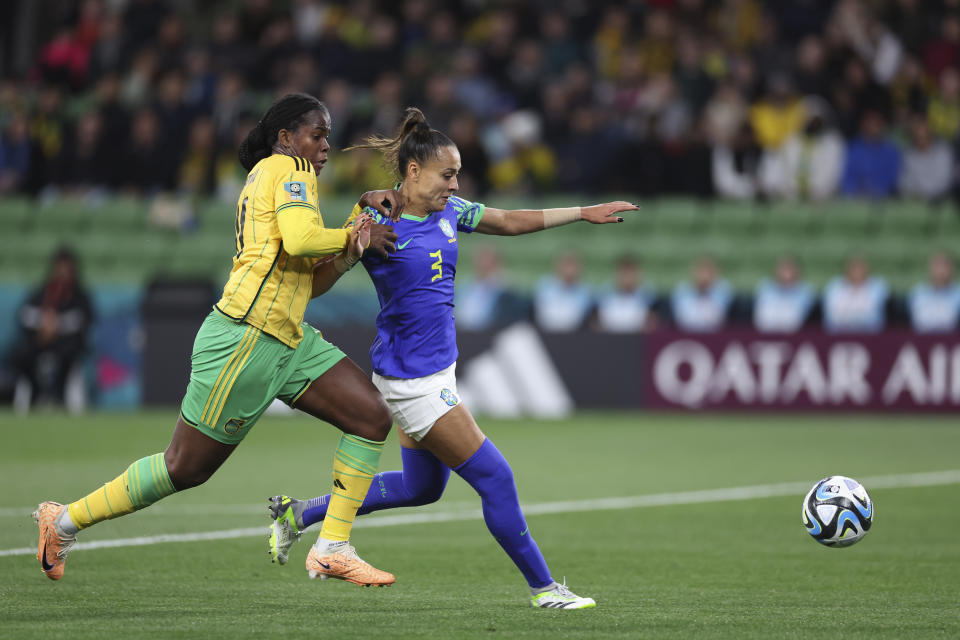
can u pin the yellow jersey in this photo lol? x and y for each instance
(269, 288)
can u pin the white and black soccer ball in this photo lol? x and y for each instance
(837, 511)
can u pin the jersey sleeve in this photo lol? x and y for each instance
(296, 185)
(298, 214)
(357, 210)
(468, 213)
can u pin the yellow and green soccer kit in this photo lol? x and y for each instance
(254, 346)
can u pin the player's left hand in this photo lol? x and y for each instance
(607, 212)
(359, 237)
(386, 202)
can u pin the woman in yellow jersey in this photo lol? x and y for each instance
(254, 347)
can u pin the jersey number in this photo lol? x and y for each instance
(241, 219)
(437, 266)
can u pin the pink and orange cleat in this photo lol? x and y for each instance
(345, 564)
(54, 545)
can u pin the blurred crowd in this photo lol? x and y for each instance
(736, 98)
(856, 301)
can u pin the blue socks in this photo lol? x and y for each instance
(422, 481)
(490, 475)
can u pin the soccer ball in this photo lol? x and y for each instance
(837, 511)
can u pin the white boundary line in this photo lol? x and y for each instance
(931, 479)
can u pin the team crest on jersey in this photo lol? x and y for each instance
(446, 227)
(297, 191)
(449, 396)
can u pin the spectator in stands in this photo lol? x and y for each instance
(724, 115)
(485, 301)
(16, 155)
(115, 118)
(582, 157)
(137, 86)
(464, 130)
(626, 306)
(809, 165)
(944, 110)
(873, 160)
(560, 49)
(48, 128)
(82, 167)
(54, 322)
(779, 115)
(148, 165)
(702, 305)
(528, 166)
(927, 172)
(737, 167)
(940, 53)
(935, 305)
(195, 175)
(783, 304)
(855, 302)
(643, 73)
(812, 74)
(562, 302)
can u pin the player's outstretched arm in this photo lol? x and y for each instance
(501, 222)
(327, 271)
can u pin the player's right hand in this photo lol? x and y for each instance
(382, 240)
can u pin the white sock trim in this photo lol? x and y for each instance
(322, 545)
(65, 524)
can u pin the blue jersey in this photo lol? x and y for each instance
(416, 336)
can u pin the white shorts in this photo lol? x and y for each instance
(417, 403)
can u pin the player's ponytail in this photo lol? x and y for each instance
(287, 113)
(415, 141)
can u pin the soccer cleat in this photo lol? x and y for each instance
(346, 565)
(560, 597)
(283, 529)
(54, 545)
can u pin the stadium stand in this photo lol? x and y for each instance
(118, 245)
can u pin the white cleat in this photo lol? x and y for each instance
(560, 597)
(283, 529)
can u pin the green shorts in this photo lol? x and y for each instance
(236, 371)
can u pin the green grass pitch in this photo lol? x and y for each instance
(735, 569)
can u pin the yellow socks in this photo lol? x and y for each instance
(143, 483)
(354, 466)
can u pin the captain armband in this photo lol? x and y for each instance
(557, 217)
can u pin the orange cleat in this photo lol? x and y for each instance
(54, 545)
(346, 565)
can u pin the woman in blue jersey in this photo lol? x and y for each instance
(415, 352)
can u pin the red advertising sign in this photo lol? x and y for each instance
(811, 370)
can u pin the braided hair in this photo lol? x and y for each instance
(288, 112)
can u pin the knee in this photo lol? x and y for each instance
(376, 423)
(183, 474)
(428, 494)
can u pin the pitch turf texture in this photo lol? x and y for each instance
(732, 569)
